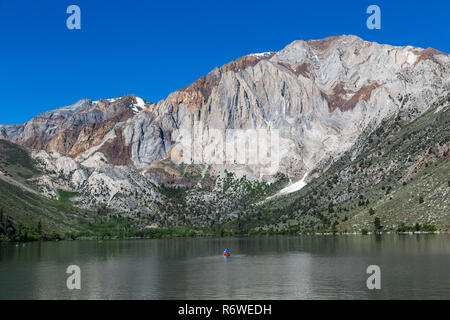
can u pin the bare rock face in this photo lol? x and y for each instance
(317, 96)
(97, 182)
(75, 128)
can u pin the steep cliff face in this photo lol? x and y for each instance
(319, 95)
(72, 130)
(315, 97)
(401, 177)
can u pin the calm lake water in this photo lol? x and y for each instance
(305, 267)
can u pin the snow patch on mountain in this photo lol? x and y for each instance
(138, 105)
(294, 187)
(261, 54)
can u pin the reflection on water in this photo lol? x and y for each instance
(306, 267)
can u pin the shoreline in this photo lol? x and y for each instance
(236, 236)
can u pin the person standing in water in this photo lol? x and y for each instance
(226, 252)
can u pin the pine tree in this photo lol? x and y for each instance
(377, 223)
(3, 219)
(2, 226)
(333, 227)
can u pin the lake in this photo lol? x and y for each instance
(276, 267)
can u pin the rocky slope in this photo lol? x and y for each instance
(22, 204)
(401, 177)
(316, 100)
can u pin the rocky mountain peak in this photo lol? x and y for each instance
(319, 96)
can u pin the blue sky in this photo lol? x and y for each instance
(151, 48)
